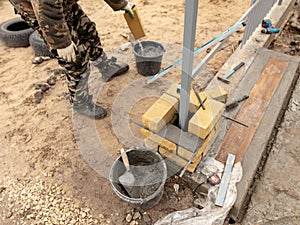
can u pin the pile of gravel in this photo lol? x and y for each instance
(33, 201)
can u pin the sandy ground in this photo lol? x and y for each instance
(44, 177)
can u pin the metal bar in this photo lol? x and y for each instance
(199, 99)
(208, 57)
(212, 42)
(190, 22)
(236, 121)
(225, 181)
(189, 162)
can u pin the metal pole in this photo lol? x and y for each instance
(207, 58)
(190, 22)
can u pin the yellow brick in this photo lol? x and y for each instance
(175, 117)
(172, 157)
(170, 146)
(203, 121)
(159, 114)
(194, 103)
(145, 133)
(205, 147)
(172, 100)
(217, 93)
(150, 144)
(186, 154)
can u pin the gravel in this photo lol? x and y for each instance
(34, 201)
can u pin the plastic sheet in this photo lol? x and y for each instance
(210, 214)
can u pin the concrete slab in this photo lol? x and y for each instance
(251, 156)
(264, 133)
(186, 140)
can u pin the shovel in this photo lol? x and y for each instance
(127, 179)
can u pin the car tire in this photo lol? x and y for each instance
(15, 33)
(39, 46)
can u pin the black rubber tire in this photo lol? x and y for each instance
(15, 33)
(39, 46)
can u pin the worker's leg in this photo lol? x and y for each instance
(77, 73)
(84, 35)
(88, 36)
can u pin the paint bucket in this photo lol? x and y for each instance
(148, 57)
(150, 172)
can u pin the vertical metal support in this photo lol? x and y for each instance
(190, 22)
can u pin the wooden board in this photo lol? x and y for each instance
(238, 138)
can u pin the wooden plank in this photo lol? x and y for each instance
(225, 181)
(238, 138)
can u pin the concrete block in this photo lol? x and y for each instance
(218, 94)
(160, 113)
(194, 103)
(203, 121)
(183, 139)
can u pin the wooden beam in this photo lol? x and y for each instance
(238, 138)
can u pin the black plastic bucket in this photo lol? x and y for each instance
(142, 161)
(148, 57)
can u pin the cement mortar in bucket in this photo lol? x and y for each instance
(148, 57)
(150, 172)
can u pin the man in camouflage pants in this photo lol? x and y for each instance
(73, 38)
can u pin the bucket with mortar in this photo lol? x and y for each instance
(148, 57)
(150, 172)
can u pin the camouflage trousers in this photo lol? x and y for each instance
(85, 36)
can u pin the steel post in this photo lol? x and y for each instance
(190, 22)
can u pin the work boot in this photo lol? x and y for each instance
(90, 109)
(109, 68)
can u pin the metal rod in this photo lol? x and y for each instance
(190, 23)
(208, 44)
(199, 99)
(236, 121)
(203, 47)
(208, 57)
(189, 162)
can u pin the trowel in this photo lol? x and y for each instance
(127, 179)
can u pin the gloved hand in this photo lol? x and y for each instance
(68, 53)
(128, 9)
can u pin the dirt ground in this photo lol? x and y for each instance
(44, 177)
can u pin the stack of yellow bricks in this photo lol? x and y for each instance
(203, 123)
